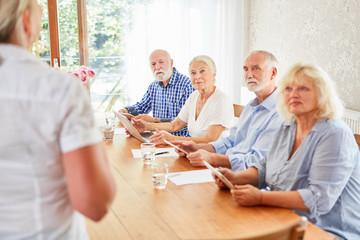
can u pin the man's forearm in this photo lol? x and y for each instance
(207, 147)
(220, 160)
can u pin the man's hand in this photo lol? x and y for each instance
(145, 117)
(140, 125)
(123, 110)
(188, 146)
(196, 158)
(246, 195)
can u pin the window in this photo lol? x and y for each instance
(121, 34)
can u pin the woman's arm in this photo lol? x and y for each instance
(213, 133)
(290, 199)
(248, 176)
(89, 181)
(248, 195)
(170, 127)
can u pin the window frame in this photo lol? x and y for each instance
(82, 34)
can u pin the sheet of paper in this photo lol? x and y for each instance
(171, 152)
(119, 131)
(191, 177)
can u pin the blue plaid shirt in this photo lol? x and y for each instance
(165, 102)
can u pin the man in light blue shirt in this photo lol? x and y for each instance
(252, 136)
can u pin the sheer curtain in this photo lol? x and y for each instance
(186, 28)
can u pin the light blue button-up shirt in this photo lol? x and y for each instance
(325, 170)
(251, 138)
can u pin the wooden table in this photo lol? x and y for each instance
(196, 211)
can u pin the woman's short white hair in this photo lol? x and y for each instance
(207, 60)
(329, 104)
(10, 12)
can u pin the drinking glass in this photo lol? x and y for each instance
(148, 153)
(159, 175)
(109, 128)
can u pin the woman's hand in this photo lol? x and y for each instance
(227, 173)
(140, 125)
(188, 146)
(159, 136)
(246, 195)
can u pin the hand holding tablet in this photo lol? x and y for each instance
(219, 175)
(181, 150)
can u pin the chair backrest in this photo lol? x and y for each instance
(238, 109)
(293, 230)
(357, 137)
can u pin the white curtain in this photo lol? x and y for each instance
(186, 28)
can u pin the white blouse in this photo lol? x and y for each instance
(44, 113)
(218, 110)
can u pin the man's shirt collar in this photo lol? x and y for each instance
(269, 103)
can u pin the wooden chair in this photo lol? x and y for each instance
(293, 230)
(357, 137)
(238, 109)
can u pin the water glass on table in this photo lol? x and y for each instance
(148, 153)
(159, 175)
(109, 129)
(108, 133)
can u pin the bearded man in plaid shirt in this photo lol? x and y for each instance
(166, 94)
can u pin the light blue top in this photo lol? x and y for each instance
(324, 170)
(251, 138)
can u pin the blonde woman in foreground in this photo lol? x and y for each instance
(313, 166)
(53, 167)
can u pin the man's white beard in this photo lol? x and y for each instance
(166, 76)
(258, 87)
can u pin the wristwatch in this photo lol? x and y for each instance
(157, 120)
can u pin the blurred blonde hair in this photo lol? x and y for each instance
(328, 102)
(207, 60)
(10, 13)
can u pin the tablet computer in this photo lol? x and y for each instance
(219, 175)
(128, 115)
(181, 150)
(132, 130)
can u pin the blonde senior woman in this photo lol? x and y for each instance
(53, 165)
(313, 166)
(207, 112)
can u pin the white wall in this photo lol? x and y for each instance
(324, 32)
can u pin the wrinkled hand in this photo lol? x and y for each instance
(124, 110)
(144, 117)
(246, 195)
(159, 136)
(196, 158)
(140, 125)
(227, 173)
(188, 146)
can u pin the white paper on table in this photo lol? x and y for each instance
(191, 177)
(119, 131)
(137, 152)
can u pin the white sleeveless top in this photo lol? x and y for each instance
(218, 110)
